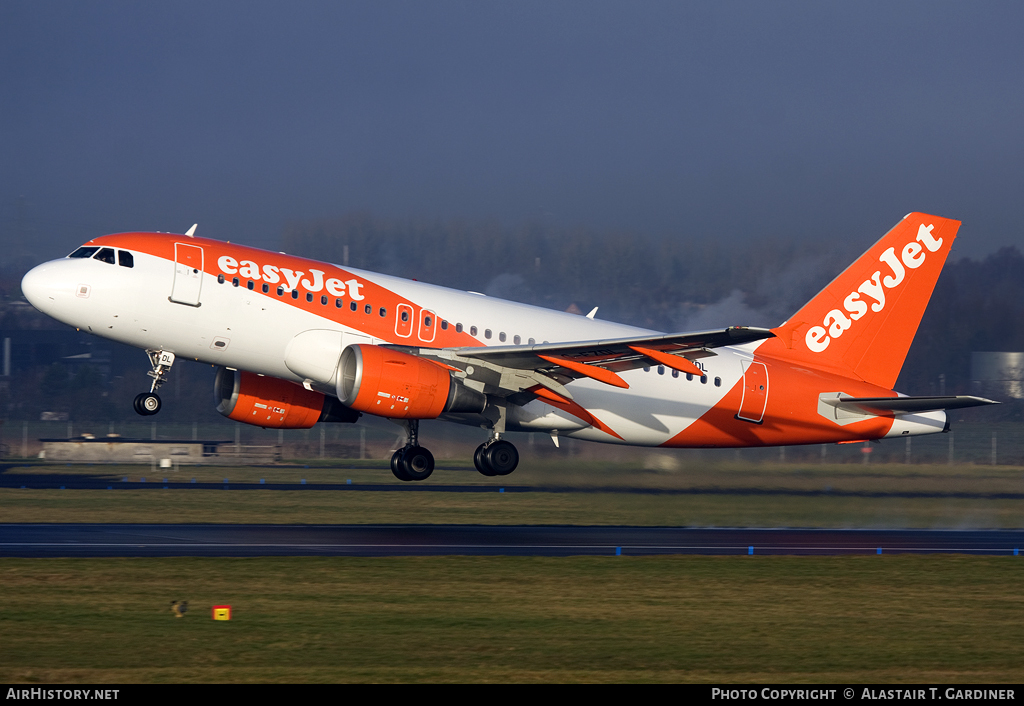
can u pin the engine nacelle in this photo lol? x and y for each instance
(275, 403)
(397, 385)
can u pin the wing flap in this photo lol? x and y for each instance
(506, 370)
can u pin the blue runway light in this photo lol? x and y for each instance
(1015, 551)
(618, 551)
(349, 481)
(303, 481)
(501, 490)
(193, 480)
(110, 487)
(262, 481)
(879, 551)
(750, 550)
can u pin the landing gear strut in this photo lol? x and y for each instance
(496, 457)
(412, 462)
(148, 403)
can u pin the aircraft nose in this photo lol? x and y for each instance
(38, 287)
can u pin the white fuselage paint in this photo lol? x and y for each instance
(133, 306)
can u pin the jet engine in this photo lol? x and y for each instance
(271, 402)
(397, 385)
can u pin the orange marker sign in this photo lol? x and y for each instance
(222, 612)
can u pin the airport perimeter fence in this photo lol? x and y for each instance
(968, 443)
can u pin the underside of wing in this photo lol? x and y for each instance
(508, 370)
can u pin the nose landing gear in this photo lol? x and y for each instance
(148, 403)
(412, 462)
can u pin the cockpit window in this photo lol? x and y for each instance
(105, 255)
(84, 251)
(125, 258)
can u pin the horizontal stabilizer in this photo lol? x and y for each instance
(906, 405)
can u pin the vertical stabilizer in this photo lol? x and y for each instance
(863, 323)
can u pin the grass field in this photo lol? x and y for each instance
(761, 495)
(894, 618)
(504, 619)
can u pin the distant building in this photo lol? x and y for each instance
(997, 374)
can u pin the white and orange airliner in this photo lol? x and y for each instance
(299, 342)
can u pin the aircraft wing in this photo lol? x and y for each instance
(906, 405)
(507, 370)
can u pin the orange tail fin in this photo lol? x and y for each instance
(864, 321)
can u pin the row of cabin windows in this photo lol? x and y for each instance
(107, 255)
(338, 303)
(689, 376)
(428, 321)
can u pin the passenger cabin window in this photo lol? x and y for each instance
(383, 312)
(266, 287)
(487, 333)
(125, 258)
(516, 340)
(501, 336)
(353, 306)
(472, 330)
(368, 309)
(106, 255)
(250, 284)
(220, 279)
(458, 328)
(84, 252)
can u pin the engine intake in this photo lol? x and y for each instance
(275, 403)
(397, 385)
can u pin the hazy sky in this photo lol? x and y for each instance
(685, 119)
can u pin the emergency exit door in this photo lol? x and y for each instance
(755, 392)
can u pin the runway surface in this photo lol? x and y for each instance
(157, 482)
(116, 540)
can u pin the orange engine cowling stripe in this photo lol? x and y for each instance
(590, 371)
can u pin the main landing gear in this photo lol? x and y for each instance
(148, 403)
(496, 457)
(412, 462)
